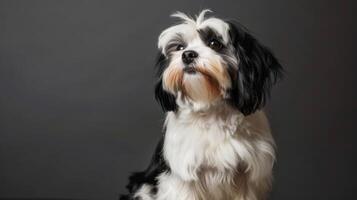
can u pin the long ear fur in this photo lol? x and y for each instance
(166, 99)
(258, 70)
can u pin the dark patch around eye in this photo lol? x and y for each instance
(209, 34)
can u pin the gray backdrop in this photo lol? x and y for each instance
(77, 112)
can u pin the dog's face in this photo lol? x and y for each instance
(209, 60)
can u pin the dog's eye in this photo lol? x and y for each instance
(179, 47)
(215, 44)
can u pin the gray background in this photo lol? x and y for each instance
(77, 112)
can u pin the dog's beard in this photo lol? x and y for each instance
(206, 82)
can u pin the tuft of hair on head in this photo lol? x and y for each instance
(184, 17)
(201, 17)
(190, 20)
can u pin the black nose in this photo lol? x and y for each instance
(189, 56)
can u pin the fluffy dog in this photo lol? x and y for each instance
(213, 79)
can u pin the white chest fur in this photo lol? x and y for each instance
(219, 140)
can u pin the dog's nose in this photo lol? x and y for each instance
(189, 56)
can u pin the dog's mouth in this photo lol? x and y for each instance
(190, 70)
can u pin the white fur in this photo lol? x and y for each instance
(144, 192)
(205, 150)
(219, 139)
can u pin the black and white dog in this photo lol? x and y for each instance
(213, 79)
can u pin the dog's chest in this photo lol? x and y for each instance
(194, 143)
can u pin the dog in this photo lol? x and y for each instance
(214, 78)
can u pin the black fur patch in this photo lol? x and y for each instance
(258, 70)
(207, 34)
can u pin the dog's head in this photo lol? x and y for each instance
(208, 60)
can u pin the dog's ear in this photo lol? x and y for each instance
(166, 99)
(257, 71)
